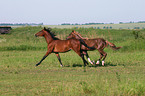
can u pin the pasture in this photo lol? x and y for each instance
(122, 75)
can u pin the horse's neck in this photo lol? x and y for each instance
(78, 36)
(48, 38)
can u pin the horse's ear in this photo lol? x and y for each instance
(44, 28)
(74, 31)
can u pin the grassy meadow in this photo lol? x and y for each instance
(122, 75)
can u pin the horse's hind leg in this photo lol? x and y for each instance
(86, 53)
(57, 54)
(102, 54)
(105, 54)
(82, 56)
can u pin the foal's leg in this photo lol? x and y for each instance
(47, 53)
(105, 54)
(100, 48)
(57, 54)
(88, 57)
(102, 54)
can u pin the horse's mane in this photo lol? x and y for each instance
(78, 34)
(52, 34)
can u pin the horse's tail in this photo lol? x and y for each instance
(83, 42)
(112, 45)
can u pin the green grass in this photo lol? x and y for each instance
(122, 75)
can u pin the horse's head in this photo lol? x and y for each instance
(74, 35)
(42, 32)
(71, 35)
(46, 32)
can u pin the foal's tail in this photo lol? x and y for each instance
(83, 42)
(112, 45)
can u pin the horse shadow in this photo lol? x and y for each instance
(107, 64)
(74, 65)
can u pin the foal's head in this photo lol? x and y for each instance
(74, 35)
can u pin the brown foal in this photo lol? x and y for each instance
(98, 43)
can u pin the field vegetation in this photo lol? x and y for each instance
(122, 75)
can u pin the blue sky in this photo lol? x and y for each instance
(71, 11)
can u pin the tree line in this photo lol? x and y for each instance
(101, 23)
(20, 24)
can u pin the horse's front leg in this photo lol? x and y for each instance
(47, 53)
(57, 54)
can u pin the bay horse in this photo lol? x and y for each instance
(98, 43)
(55, 45)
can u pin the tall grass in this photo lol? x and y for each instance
(24, 39)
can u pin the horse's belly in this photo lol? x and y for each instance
(62, 46)
(90, 45)
(61, 49)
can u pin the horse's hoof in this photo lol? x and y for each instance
(103, 63)
(36, 65)
(97, 62)
(87, 63)
(61, 65)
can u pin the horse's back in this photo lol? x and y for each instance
(90, 42)
(95, 42)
